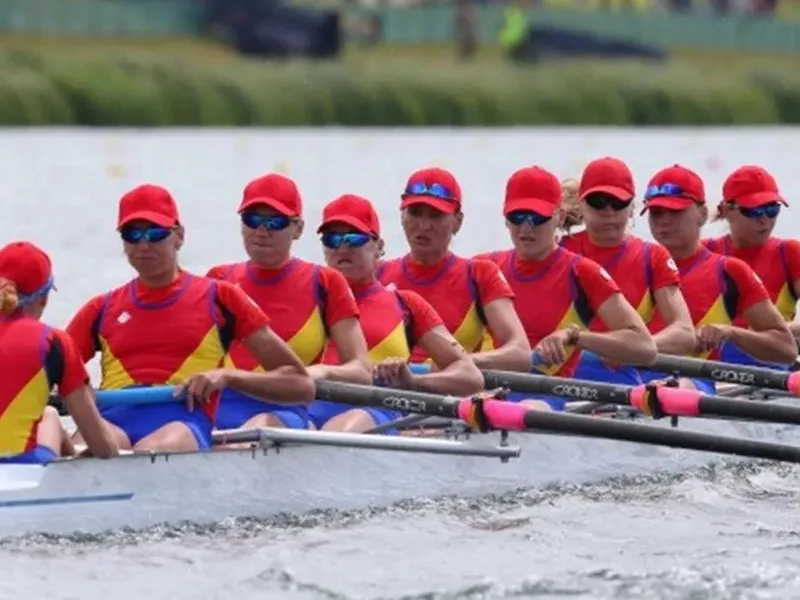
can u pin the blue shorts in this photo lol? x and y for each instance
(140, 420)
(704, 386)
(322, 411)
(556, 403)
(40, 455)
(235, 410)
(592, 368)
(731, 353)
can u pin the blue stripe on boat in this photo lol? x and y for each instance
(65, 500)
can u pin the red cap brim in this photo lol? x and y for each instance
(446, 206)
(759, 199)
(542, 207)
(669, 202)
(348, 220)
(271, 203)
(618, 192)
(150, 216)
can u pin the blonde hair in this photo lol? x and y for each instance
(569, 201)
(9, 297)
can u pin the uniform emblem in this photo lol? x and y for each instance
(671, 264)
(124, 318)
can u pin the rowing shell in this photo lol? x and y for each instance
(297, 472)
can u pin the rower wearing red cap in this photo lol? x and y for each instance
(470, 295)
(751, 203)
(394, 321)
(36, 358)
(558, 293)
(718, 289)
(645, 272)
(308, 304)
(169, 327)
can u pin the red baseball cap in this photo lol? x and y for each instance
(607, 175)
(751, 186)
(273, 190)
(535, 189)
(435, 187)
(27, 266)
(675, 188)
(150, 203)
(352, 210)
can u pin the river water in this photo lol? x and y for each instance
(726, 531)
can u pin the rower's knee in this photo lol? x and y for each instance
(535, 404)
(263, 420)
(173, 437)
(353, 421)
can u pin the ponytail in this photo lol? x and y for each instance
(9, 298)
(571, 205)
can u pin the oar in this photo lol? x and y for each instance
(658, 402)
(509, 416)
(722, 372)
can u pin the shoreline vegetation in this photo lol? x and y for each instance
(144, 84)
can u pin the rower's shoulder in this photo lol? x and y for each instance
(495, 257)
(222, 271)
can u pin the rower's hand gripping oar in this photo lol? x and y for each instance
(483, 412)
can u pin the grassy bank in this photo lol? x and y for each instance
(176, 82)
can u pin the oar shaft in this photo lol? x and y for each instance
(728, 373)
(658, 436)
(573, 389)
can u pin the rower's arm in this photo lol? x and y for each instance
(79, 399)
(456, 372)
(342, 316)
(678, 336)
(627, 341)
(768, 338)
(82, 328)
(512, 351)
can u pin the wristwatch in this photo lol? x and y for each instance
(573, 334)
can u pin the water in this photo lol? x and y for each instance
(722, 532)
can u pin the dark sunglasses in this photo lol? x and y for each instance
(152, 235)
(520, 217)
(602, 201)
(435, 190)
(334, 241)
(770, 211)
(253, 220)
(667, 189)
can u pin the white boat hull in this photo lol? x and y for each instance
(139, 491)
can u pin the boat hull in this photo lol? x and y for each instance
(139, 491)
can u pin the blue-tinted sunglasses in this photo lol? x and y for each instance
(335, 241)
(253, 220)
(435, 190)
(667, 189)
(520, 217)
(152, 234)
(770, 211)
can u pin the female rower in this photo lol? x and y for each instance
(645, 272)
(309, 304)
(35, 358)
(170, 327)
(394, 321)
(751, 204)
(718, 289)
(558, 293)
(470, 295)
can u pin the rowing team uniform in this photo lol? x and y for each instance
(320, 298)
(162, 336)
(778, 266)
(43, 357)
(392, 320)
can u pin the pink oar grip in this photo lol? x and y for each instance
(499, 415)
(674, 401)
(793, 383)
